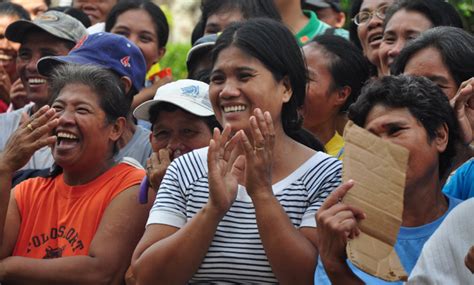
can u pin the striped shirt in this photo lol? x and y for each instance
(236, 254)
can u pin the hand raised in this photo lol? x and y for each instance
(259, 154)
(463, 105)
(226, 167)
(336, 223)
(156, 167)
(30, 136)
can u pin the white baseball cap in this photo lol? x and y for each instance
(187, 94)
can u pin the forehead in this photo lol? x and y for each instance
(426, 62)
(408, 20)
(173, 118)
(381, 115)
(233, 56)
(374, 4)
(37, 37)
(77, 93)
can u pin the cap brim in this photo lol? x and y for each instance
(318, 4)
(199, 48)
(142, 112)
(15, 32)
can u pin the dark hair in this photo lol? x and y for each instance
(156, 109)
(15, 10)
(455, 46)
(106, 84)
(439, 12)
(353, 36)
(424, 100)
(159, 19)
(248, 8)
(75, 13)
(273, 44)
(347, 65)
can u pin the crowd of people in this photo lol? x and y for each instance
(113, 174)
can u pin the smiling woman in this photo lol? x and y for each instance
(87, 210)
(248, 201)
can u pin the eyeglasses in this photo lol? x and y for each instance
(365, 16)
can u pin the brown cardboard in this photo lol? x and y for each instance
(378, 168)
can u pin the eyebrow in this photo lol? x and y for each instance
(437, 78)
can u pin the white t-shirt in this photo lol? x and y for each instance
(442, 258)
(236, 254)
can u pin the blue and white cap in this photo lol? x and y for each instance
(187, 94)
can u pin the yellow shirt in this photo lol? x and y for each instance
(334, 145)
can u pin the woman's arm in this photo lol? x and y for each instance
(292, 253)
(109, 255)
(167, 255)
(28, 138)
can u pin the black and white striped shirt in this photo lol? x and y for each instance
(236, 254)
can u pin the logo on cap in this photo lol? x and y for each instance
(125, 61)
(192, 90)
(80, 42)
(47, 18)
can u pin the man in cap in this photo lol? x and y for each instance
(116, 53)
(52, 33)
(199, 58)
(328, 11)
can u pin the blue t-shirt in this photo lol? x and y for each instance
(461, 184)
(409, 244)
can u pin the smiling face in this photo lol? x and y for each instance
(8, 49)
(180, 132)
(399, 126)
(97, 10)
(142, 33)
(239, 84)
(370, 33)
(37, 44)
(429, 63)
(85, 137)
(403, 27)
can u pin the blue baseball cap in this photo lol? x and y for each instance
(110, 51)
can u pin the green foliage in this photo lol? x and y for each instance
(175, 58)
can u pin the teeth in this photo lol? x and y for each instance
(64, 135)
(5, 57)
(237, 108)
(36, 81)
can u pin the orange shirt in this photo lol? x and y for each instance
(61, 220)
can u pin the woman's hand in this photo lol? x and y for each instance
(226, 167)
(156, 166)
(336, 224)
(259, 155)
(463, 105)
(30, 136)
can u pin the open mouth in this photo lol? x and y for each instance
(235, 108)
(6, 57)
(375, 38)
(66, 140)
(35, 81)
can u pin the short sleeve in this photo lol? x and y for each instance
(169, 207)
(322, 180)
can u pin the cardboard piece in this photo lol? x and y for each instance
(379, 169)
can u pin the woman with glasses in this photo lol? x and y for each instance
(366, 29)
(406, 20)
